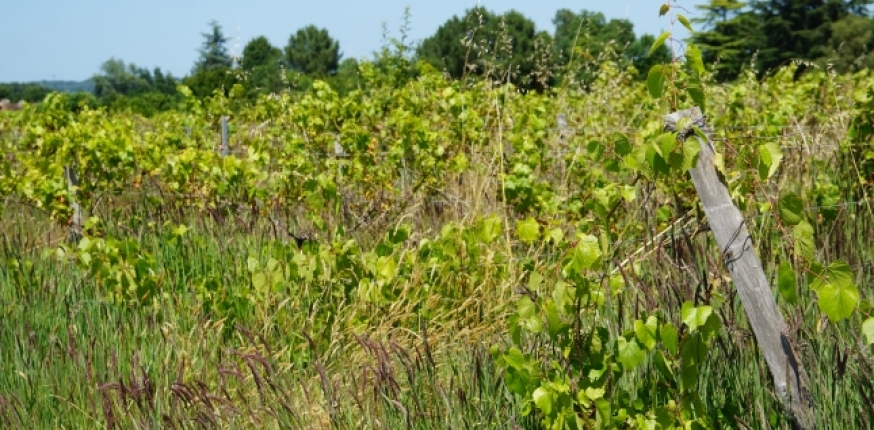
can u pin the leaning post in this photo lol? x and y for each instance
(729, 229)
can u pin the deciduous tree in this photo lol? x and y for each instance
(851, 46)
(588, 38)
(259, 52)
(261, 61)
(504, 47)
(118, 78)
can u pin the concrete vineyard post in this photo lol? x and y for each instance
(225, 146)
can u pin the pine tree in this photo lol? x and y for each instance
(732, 36)
(214, 53)
(261, 61)
(801, 29)
(779, 31)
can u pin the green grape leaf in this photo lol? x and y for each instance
(595, 149)
(695, 317)
(400, 234)
(528, 315)
(663, 366)
(252, 263)
(655, 81)
(838, 295)
(691, 150)
(595, 393)
(586, 254)
(647, 332)
(621, 145)
(659, 42)
(534, 281)
(629, 193)
(518, 382)
(664, 9)
(630, 353)
(514, 358)
(528, 230)
(770, 156)
(259, 281)
(670, 337)
(491, 229)
(603, 408)
(655, 161)
(555, 325)
(689, 376)
(685, 21)
(696, 93)
(667, 142)
(543, 400)
(803, 236)
(180, 230)
(556, 235)
(386, 268)
(865, 306)
(786, 283)
(868, 331)
(694, 59)
(791, 209)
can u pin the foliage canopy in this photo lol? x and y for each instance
(312, 51)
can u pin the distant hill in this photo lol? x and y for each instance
(36, 91)
(69, 86)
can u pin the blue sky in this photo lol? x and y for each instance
(69, 40)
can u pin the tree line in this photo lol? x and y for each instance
(734, 35)
(762, 35)
(29, 92)
(478, 44)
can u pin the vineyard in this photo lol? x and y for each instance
(434, 254)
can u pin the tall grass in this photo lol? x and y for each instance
(213, 350)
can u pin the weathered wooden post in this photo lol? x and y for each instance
(76, 229)
(339, 152)
(729, 229)
(563, 132)
(561, 120)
